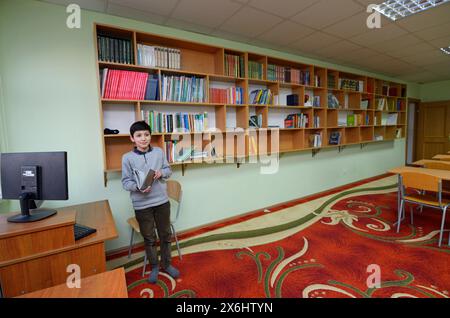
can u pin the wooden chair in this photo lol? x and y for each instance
(174, 192)
(423, 184)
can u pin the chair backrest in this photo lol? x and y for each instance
(175, 192)
(437, 165)
(421, 181)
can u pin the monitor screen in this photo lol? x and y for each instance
(30, 176)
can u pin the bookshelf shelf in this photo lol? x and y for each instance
(211, 86)
(117, 136)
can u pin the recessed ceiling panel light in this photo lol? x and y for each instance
(446, 50)
(397, 9)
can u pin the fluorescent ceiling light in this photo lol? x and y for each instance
(397, 9)
(446, 50)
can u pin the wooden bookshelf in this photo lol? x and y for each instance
(361, 109)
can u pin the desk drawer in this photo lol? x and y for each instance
(51, 270)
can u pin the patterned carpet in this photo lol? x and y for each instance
(330, 247)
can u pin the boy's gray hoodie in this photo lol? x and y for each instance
(154, 159)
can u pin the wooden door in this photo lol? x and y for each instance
(433, 133)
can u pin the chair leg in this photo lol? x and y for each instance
(444, 211)
(400, 212)
(176, 241)
(145, 264)
(131, 243)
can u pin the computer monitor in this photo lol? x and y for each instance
(31, 176)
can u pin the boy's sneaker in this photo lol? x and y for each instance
(172, 271)
(153, 277)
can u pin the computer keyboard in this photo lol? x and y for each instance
(81, 231)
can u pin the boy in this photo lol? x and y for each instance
(151, 205)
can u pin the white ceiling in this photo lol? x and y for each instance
(329, 30)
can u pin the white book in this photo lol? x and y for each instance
(364, 104)
(392, 119)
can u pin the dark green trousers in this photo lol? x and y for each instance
(157, 217)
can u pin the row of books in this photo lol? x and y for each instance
(175, 122)
(352, 120)
(296, 121)
(390, 104)
(285, 74)
(317, 81)
(183, 89)
(261, 97)
(234, 65)
(331, 81)
(350, 84)
(311, 100)
(115, 50)
(157, 56)
(117, 84)
(386, 119)
(255, 70)
(232, 95)
(316, 121)
(388, 90)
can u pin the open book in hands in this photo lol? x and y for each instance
(142, 179)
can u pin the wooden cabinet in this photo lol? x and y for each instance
(236, 89)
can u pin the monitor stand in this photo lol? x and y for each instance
(26, 202)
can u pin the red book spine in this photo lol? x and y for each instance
(126, 75)
(133, 85)
(108, 84)
(144, 84)
(114, 85)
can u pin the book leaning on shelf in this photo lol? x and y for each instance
(174, 154)
(315, 140)
(335, 138)
(256, 121)
(261, 97)
(381, 103)
(333, 102)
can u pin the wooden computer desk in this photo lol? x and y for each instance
(35, 255)
(425, 161)
(442, 157)
(110, 284)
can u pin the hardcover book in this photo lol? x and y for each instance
(143, 180)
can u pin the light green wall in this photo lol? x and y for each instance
(436, 91)
(50, 96)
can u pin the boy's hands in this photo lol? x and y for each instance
(158, 174)
(147, 190)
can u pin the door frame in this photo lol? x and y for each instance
(416, 125)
